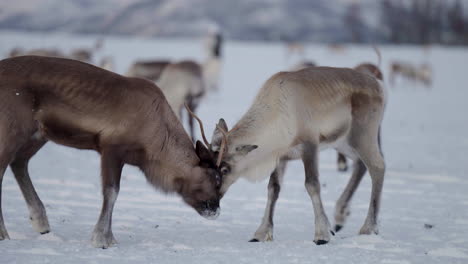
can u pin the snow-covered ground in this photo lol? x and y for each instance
(425, 141)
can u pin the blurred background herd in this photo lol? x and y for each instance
(293, 24)
(329, 21)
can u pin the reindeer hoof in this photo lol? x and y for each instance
(338, 228)
(320, 242)
(45, 232)
(254, 240)
(342, 167)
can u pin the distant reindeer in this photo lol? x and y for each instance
(85, 54)
(81, 54)
(15, 52)
(126, 120)
(185, 81)
(303, 64)
(181, 83)
(421, 73)
(212, 64)
(150, 69)
(337, 48)
(107, 63)
(295, 115)
(294, 47)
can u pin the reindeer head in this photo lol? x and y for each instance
(201, 190)
(371, 69)
(227, 157)
(218, 151)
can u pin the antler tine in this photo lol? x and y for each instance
(199, 122)
(223, 147)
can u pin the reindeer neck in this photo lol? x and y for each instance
(164, 174)
(262, 127)
(171, 157)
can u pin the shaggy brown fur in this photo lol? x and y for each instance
(127, 120)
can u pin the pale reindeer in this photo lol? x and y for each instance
(213, 63)
(107, 63)
(294, 48)
(181, 83)
(85, 54)
(81, 54)
(295, 115)
(152, 69)
(148, 69)
(185, 81)
(303, 64)
(420, 73)
(126, 120)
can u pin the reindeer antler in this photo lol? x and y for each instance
(223, 147)
(200, 123)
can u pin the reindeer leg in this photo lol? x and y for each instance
(111, 169)
(368, 149)
(376, 166)
(6, 155)
(19, 166)
(312, 184)
(342, 205)
(3, 231)
(265, 230)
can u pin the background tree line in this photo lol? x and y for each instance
(411, 21)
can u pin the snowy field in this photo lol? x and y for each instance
(425, 141)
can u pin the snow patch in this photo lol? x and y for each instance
(449, 252)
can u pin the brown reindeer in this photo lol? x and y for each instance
(126, 120)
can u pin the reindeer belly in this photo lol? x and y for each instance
(66, 131)
(334, 125)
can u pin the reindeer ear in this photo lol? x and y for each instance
(202, 152)
(217, 137)
(245, 149)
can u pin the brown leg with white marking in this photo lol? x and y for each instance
(111, 169)
(3, 231)
(19, 166)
